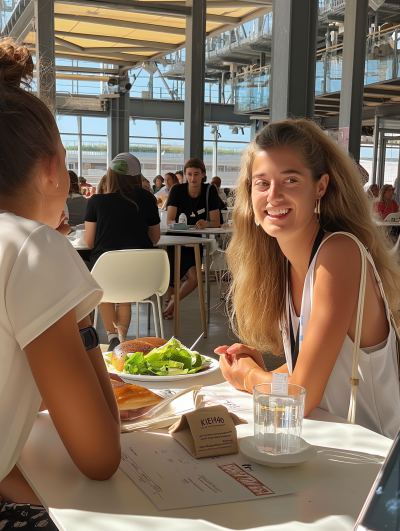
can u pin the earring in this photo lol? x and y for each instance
(318, 209)
(256, 222)
(57, 185)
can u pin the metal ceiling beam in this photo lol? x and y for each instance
(381, 92)
(84, 70)
(149, 8)
(93, 59)
(68, 44)
(20, 22)
(118, 40)
(174, 110)
(120, 23)
(109, 54)
(121, 49)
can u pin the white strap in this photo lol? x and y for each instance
(354, 381)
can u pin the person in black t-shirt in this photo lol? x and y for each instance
(199, 202)
(126, 217)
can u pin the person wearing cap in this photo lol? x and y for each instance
(126, 217)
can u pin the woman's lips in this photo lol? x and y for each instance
(277, 214)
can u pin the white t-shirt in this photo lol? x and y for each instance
(42, 278)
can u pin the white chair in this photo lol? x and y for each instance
(133, 276)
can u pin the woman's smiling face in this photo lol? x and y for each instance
(284, 191)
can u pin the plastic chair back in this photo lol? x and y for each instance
(132, 275)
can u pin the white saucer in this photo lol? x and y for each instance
(306, 453)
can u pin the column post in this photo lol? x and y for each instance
(293, 61)
(194, 79)
(45, 53)
(353, 71)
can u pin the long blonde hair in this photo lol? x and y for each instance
(381, 196)
(256, 300)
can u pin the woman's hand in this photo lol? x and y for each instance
(202, 224)
(239, 350)
(235, 373)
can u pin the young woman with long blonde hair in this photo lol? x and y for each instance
(295, 287)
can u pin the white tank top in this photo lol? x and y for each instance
(378, 401)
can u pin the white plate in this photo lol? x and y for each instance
(248, 448)
(214, 366)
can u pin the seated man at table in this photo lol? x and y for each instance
(199, 202)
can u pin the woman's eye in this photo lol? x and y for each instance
(262, 184)
(291, 180)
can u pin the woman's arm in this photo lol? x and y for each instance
(90, 233)
(77, 391)
(171, 214)
(154, 233)
(336, 286)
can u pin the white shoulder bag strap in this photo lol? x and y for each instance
(354, 381)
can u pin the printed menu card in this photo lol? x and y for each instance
(173, 479)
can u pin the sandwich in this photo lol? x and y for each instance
(145, 345)
(131, 396)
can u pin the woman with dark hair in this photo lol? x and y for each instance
(48, 294)
(158, 183)
(126, 217)
(76, 202)
(199, 203)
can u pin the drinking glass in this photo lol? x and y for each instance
(278, 419)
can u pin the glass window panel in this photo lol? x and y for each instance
(67, 124)
(70, 143)
(207, 159)
(229, 157)
(147, 155)
(142, 128)
(172, 129)
(243, 133)
(171, 156)
(94, 126)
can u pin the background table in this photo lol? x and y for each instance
(330, 490)
(215, 231)
(188, 241)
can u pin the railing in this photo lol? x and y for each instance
(381, 64)
(252, 90)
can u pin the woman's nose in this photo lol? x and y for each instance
(274, 191)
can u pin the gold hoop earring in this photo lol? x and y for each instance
(318, 209)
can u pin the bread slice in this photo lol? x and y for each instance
(127, 348)
(131, 396)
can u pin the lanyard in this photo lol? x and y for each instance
(294, 343)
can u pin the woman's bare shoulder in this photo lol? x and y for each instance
(340, 253)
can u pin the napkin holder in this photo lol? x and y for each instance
(180, 226)
(208, 432)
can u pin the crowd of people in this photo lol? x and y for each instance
(295, 274)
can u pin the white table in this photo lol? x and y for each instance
(388, 223)
(330, 490)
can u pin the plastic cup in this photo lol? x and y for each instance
(278, 419)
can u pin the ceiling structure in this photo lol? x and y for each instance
(130, 32)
